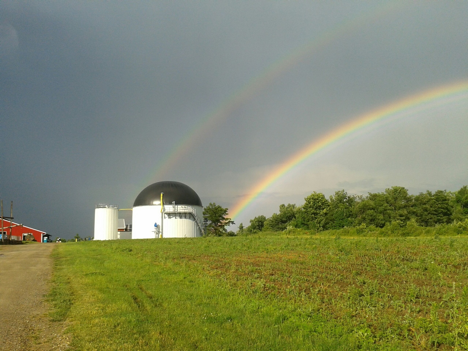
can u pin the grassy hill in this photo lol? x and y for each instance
(265, 292)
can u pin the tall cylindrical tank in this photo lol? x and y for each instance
(105, 222)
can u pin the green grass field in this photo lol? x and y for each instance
(264, 293)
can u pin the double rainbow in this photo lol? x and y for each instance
(207, 124)
(429, 98)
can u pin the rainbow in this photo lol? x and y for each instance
(425, 99)
(259, 82)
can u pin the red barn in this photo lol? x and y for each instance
(19, 233)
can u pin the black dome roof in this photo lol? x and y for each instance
(173, 192)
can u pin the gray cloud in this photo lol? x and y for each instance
(98, 93)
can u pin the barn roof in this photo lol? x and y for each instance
(24, 226)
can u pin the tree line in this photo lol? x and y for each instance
(394, 207)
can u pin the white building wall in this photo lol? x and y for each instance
(105, 223)
(178, 221)
(126, 235)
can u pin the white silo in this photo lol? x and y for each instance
(105, 222)
(181, 214)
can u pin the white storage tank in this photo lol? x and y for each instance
(181, 215)
(105, 222)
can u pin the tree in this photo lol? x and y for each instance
(392, 206)
(341, 210)
(366, 214)
(240, 231)
(460, 204)
(216, 219)
(399, 204)
(431, 209)
(77, 238)
(300, 222)
(279, 222)
(256, 224)
(315, 211)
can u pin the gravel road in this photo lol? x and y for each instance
(25, 272)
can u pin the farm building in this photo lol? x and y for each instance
(170, 209)
(166, 209)
(22, 233)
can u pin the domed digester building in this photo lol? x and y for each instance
(179, 215)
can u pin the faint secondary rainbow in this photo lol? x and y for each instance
(438, 95)
(259, 82)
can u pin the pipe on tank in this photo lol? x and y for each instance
(162, 216)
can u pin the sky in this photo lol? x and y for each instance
(99, 99)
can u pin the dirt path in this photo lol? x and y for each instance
(25, 272)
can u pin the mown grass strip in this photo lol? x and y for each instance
(250, 293)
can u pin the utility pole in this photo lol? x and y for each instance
(6, 217)
(11, 224)
(3, 237)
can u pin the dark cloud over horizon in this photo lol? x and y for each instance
(95, 94)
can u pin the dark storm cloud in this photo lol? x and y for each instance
(95, 94)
